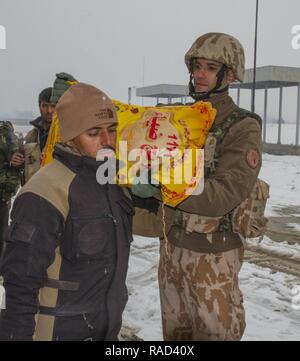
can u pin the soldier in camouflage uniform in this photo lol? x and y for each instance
(9, 173)
(202, 249)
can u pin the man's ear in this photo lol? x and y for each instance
(230, 77)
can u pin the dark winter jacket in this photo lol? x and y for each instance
(66, 258)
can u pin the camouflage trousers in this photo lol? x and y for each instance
(199, 294)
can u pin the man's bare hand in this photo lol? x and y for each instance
(17, 159)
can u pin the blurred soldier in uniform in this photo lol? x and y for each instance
(10, 160)
(36, 139)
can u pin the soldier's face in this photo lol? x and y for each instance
(94, 139)
(47, 110)
(205, 75)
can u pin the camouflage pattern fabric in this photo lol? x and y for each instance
(248, 218)
(195, 223)
(216, 136)
(9, 176)
(219, 47)
(219, 133)
(200, 296)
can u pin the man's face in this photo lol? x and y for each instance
(94, 139)
(205, 75)
(47, 110)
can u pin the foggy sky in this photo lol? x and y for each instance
(106, 42)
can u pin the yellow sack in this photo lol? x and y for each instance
(179, 130)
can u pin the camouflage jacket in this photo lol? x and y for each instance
(217, 135)
(9, 176)
(232, 164)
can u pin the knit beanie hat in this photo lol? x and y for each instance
(83, 107)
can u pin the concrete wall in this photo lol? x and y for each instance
(281, 149)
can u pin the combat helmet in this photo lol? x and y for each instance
(219, 47)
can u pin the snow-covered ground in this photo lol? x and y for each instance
(272, 310)
(267, 298)
(283, 174)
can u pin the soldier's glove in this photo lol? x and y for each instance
(62, 83)
(145, 189)
(151, 204)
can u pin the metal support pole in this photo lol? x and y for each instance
(238, 96)
(298, 116)
(265, 115)
(280, 115)
(129, 95)
(255, 55)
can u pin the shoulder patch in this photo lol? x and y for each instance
(253, 158)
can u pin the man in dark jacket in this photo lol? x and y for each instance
(66, 258)
(41, 125)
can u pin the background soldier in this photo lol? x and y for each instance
(9, 173)
(35, 140)
(41, 125)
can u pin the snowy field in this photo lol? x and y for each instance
(270, 311)
(267, 298)
(283, 175)
(268, 294)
